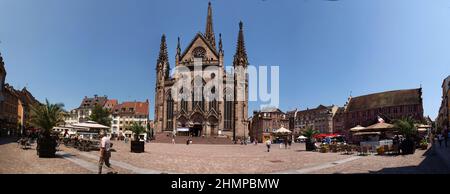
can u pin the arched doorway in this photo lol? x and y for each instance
(212, 128)
(196, 129)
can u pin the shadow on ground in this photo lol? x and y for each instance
(432, 164)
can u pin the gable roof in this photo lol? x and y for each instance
(386, 99)
(201, 36)
(92, 102)
(132, 108)
(271, 109)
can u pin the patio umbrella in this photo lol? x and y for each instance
(357, 128)
(379, 127)
(282, 130)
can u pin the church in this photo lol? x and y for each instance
(199, 108)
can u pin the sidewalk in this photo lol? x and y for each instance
(442, 152)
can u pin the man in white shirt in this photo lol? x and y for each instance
(105, 152)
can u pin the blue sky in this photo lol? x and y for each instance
(65, 50)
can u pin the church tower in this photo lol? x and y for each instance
(162, 74)
(240, 64)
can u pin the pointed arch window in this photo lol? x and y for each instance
(169, 112)
(184, 104)
(228, 109)
(197, 93)
(212, 100)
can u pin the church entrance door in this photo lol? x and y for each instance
(196, 130)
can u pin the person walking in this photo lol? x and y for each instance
(440, 138)
(268, 143)
(173, 138)
(445, 136)
(105, 153)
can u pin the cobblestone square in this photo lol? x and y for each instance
(223, 159)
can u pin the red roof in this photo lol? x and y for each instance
(137, 108)
(111, 103)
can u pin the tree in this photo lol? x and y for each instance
(136, 145)
(47, 116)
(137, 129)
(406, 127)
(309, 134)
(101, 116)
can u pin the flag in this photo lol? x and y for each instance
(380, 120)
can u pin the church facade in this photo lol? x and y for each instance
(199, 96)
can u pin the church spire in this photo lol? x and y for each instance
(220, 43)
(163, 59)
(240, 58)
(178, 47)
(209, 32)
(2, 65)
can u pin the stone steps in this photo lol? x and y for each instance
(167, 138)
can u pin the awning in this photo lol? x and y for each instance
(182, 129)
(128, 132)
(90, 124)
(357, 128)
(282, 130)
(367, 133)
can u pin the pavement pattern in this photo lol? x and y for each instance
(162, 158)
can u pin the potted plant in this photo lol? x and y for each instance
(309, 142)
(423, 144)
(380, 150)
(406, 127)
(324, 148)
(45, 117)
(137, 146)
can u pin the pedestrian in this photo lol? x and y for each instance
(440, 138)
(268, 143)
(445, 136)
(105, 153)
(285, 144)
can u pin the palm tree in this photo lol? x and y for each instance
(137, 129)
(45, 117)
(309, 134)
(406, 127)
(136, 145)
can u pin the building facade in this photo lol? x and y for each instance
(9, 109)
(390, 105)
(2, 78)
(320, 119)
(443, 119)
(82, 113)
(218, 110)
(127, 113)
(265, 122)
(339, 120)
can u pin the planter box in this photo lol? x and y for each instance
(137, 146)
(46, 148)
